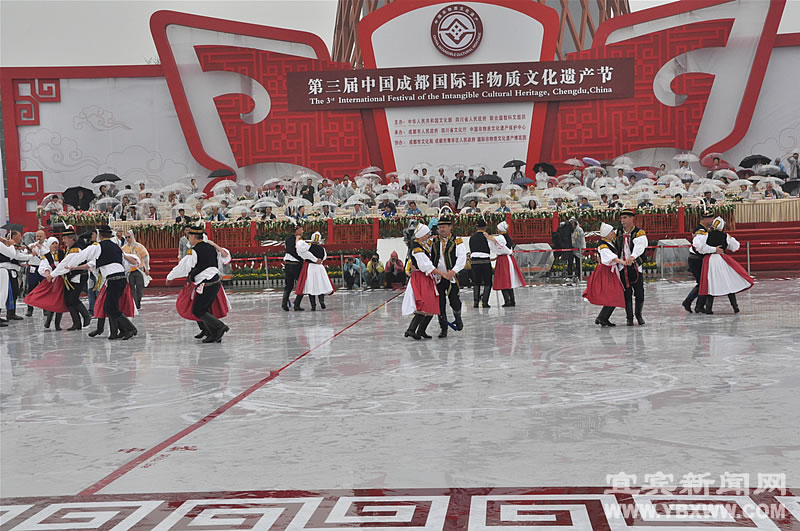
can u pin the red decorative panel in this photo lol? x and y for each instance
(357, 235)
(529, 230)
(330, 143)
(659, 223)
(608, 128)
(29, 93)
(231, 236)
(32, 185)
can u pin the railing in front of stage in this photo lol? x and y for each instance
(342, 234)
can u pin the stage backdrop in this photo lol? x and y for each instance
(710, 75)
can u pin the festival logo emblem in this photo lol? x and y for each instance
(456, 31)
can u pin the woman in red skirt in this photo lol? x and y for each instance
(49, 295)
(422, 298)
(604, 288)
(507, 274)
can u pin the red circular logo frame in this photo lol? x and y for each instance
(457, 31)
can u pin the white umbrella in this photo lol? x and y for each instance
(297, 202)
(584, 191)
(624, 167)
(440, 200)
(245, 203)
(211, 204)
(553, 193)
(223, 184)
(455, 168)
(703, 188)
(526, 199)
(499, 197)
(271, 181)
(238, 210)
(148, 202)
(686, 173)
(387, 195)
(486, 186)
(351, 204)
(668, 179)
(321, 204)
(686, 157)
(130, 194)
(674, 190)
(569, 180)
(644, 196)
(603, 182)
(229, 198)
(246, 182)
(478, 196)
(422, 166)
(371, 169)
(176, 187)
(774, 180)
(623, 161)
(199, 196)
(264, 203)
(151, 191)
(371, 176)
(574, 162)
(738, 183)
(646, 182)
(508, 186)
(184, 206)
(106, 201)
(727, 174)
(768, 169)
(417, 198)
(589, 169)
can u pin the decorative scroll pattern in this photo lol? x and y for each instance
(606, 128)
(330, 143)
(551, 509)
(29, 93)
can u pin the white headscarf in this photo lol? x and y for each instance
(421, 231)
(316, 237)
(502, 227)
(605, 230)
(718, 224)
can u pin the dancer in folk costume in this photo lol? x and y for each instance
(12, 255)
(721, 275)
(107, 257)
(507, 274)
(49, 293)
(481, 264)
(314, 280)
(632, 243)
(203, 299)
(448, 253)
(127, 304)
(74, 282)
(604, 287)
(296, 254)
(699, 234)
(422, 298)
(37, 249)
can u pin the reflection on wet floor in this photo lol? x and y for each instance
(531, 396)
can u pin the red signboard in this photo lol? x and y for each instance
(461, 84)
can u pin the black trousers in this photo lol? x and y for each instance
(696, 268)
(292, 273)
(634, 289)
(445, 296)
(14, 281)
(72, 297)
(114, 289)
(203, 301)
(573, 259)
(33, 280)
(482, 274)
(136, 279)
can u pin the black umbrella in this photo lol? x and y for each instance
(12, 226)
(221, 173)
(780, 174)
(791, 186)
(71, 197)
(516, 163)
(548, 168)
(752, 160)
(106, 177)
(489, 179)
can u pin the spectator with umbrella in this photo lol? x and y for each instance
(517, 165)
(79, 197)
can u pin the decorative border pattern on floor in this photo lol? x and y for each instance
(470, 509)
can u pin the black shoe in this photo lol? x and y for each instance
(486, 305)
(505, 305)
(128, 334)
(114, 330)
(29, 312)
(424, 335)
(222, 331)
(640, 320)
(212, 338)
(313, 308)
(459, 323)
(201, 335)
(48, 318)
(299, 309)
(687, 305)
(443, 333)
(96, 332)
(3, 324)
(475, 305)
(735, 309)
(604, 323)
(15, 317)
(58, 321)
(413, 334)
(322, 305)
(629, 322)
(285, 307)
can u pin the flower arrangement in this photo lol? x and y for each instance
(82, 218)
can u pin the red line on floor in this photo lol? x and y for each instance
(130, 465)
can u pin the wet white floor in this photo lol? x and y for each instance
(529, 396)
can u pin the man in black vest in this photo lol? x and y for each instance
(292, 265)
(108, 259)
(74, 282)
(632, 244)
(696, 263)
(481, 265)
(448, 254)
(10, 260)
